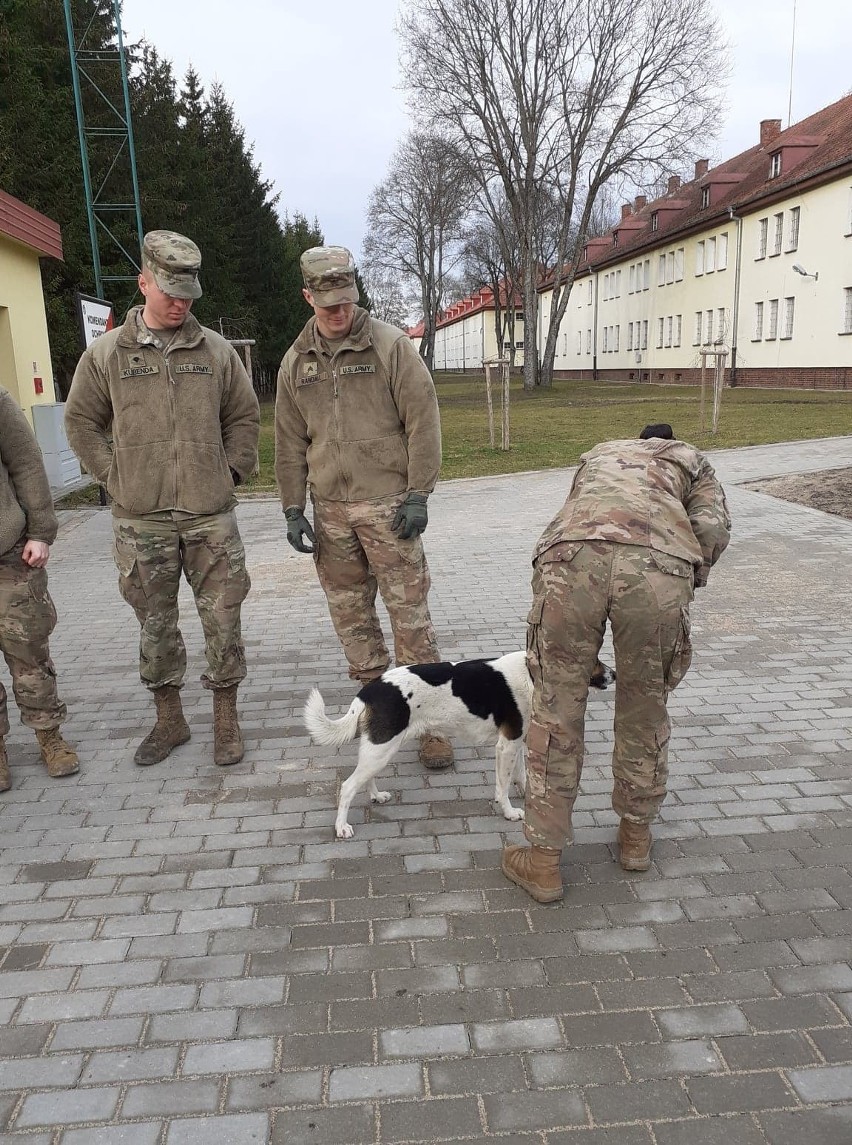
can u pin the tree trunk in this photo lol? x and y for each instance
(530, 333)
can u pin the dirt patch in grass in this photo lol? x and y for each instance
(830, 490)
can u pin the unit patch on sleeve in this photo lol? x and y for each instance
(362, 369)
(193, 368)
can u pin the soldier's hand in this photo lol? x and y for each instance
(35, 554)
(298, 526)
(411, 517)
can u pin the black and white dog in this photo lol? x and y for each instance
(476, 701)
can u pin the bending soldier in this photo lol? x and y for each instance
(644, 522)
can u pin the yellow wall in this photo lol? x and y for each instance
(24, 346)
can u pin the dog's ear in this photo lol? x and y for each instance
(602, 676)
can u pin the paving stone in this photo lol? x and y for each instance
(431, 1120)
(97, 1034)
(672, 1059)
(739, 1093)
(709, 1131)
(527, 1034)
(827, 1126)
(639, 1101)
(766, 1051)
(234, 1129)
(790, 1013)
(65, 1107)
(171, 1098)
(268, 1090)
(132, 1065)
(147, 1133)
(823, 1083)
(497, 1075)
(354, 1083)
(230, 1057)
(701, 1020)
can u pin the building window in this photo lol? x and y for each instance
(847, 310)
(720, 324)
(679, 264)
(615, 238)
(605, 338)
(793, 232)
(778, 233)
(647, 274)
(705, 197)
(708, 333)
(618, 284)
(629, 335)
(789, 310)
(722, 251)
(579, 342)
(670, 266)
(775, 165)
(660, 324)
(772, 332)
(710, 256)
(849, 214)
(655, 220)
(757, 333)
(589, 294)
(631, 279)
(762, 237)
(661, 270)
(669, 327)
(699, 258)
(699, 318)
(678, 328)
(617, 335)
(519, 345)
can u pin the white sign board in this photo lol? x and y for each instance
(96, 317)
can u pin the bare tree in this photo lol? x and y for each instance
(552, 101)
(386, 294)
(414, 221)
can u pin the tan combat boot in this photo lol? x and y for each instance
(60, 757)
(634, 843)
(5, 774)
(436, 752)
(170, 730)
(228, 744)
(536, 869)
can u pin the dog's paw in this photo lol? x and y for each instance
(381, 797)
(343, 831)
(513, 814)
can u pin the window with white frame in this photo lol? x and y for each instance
(678, 328)
(669, 328)
(772, 332)
(762, 237)
(645, 334)
(618, 284)
(631, 279)
(655, 220)
(757, 330)
(775, 165)
(699, 323)
(847, 310)
(710, 256)
(660, 324)
(789, 311)
(778, 233)
(708, 331)
(589, 294)
(722, 251)
(579, 341)
(849, 214)
(679, 264)
(605, 339)
(793, 229)
(705, 197)
(617, 338)
(699, 257)
(661, 270)
(647, 283)
(629, 335)
(670, 266)
(720, 324)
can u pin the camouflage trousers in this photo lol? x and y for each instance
(27, 618)
(356, 554)
(150, 554)
(645, 595)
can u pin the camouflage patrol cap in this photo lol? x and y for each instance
(329, 274)
(174, 261)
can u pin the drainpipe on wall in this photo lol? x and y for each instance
(735, 317)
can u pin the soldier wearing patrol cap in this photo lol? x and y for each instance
(356, 418)
(644, 522)
(163, 414)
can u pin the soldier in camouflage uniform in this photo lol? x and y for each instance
(28, 528)
(163, 414)
(643, 524)
(356, 418)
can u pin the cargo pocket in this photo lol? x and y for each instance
(41, 613)
(239, 581)
(129, 581)
(538, 749)
(533, 631)
(682, 652)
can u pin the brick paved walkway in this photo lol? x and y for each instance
(188, 956)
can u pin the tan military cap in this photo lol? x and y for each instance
(329, 274)
(174, 261)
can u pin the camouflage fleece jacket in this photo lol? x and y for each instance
(360, 425)
(658, 493)
(26, 503)
(163, 429)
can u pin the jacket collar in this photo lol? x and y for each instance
(360, 337)
(134, 332)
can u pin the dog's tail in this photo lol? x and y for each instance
(322, 729)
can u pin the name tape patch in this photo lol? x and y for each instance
(362, 369)
(139, 371)
(312, 378)
(193, 368)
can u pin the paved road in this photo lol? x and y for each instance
(187, 955)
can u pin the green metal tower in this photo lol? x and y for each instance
(106, 149)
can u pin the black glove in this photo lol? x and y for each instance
(411, 517)
(298, 526)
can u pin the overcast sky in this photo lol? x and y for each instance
(316, 86)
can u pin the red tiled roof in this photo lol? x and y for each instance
(24, 225)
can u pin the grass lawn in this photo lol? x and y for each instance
(552, 427)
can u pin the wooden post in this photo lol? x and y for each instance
(489, 403)
(504, 370)
(248, 362)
